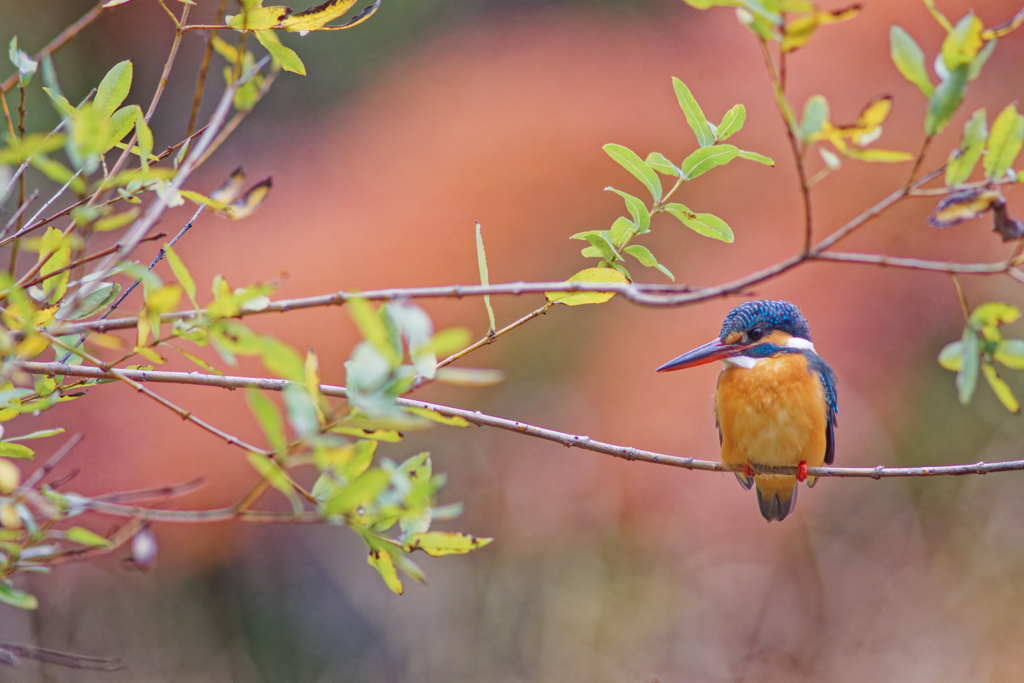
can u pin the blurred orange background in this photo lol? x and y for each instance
(432, 115)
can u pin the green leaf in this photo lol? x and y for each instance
(1004, 142)
(706, 158)
(121, 123)
(25, 65)
(602, 244)
(285, 56)
(637, 209)
(759, 158)
(481, 260)
(41, 434)
(967, 376)
(731, 123)
(1001, 388)
(441, 543)
(962, 161)
(622, 229)
(909, 60)
(363, 491)
(282, 360)
(588, 275)
(144, 136)
(644, 256)
(114, 87)
(181, 273)
(372, 328)
(274, 475)
(661, 164)
(635, 165)
(81, 536)
(702, 223)
(17, 598)
(1011, 353)
(945, 100)
(15, 450)
(61, 102)
(951, 356)
(269, 418)
(974, 70)
(816, 113)
(90, 130)
(694, 116)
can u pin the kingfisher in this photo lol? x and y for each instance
(775, 404)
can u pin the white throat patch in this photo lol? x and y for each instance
(800, 343)
(747, 362)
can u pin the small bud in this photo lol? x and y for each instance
(144, 549)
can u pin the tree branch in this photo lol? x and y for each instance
(483, 420)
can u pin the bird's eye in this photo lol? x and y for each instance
(755, 334)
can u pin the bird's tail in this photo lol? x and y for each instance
(776, 496)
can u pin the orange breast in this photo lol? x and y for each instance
(772, 414)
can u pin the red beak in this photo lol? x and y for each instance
(708, 353)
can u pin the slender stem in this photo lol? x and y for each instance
(483, 420)
(66, 35)
(87, 259)
(918, 160)
(779, 82)
(204, 67)
(961, 296)
(181, 412)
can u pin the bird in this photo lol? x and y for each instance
(775, 403)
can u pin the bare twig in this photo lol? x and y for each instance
(66, 35)
(66, 659)
(38, 475)
(483, 420)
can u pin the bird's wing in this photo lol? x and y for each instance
(828, 382)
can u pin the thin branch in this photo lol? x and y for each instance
(66, 35)
(915, 264)
(779, 83)
(483, 420)
(117, 373)
(66, 659)
(87, 259)
(61, 453)
(204, 67)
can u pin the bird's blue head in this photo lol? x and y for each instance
(760, 318)
(754, 329)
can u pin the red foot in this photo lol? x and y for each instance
(801, 471)
(747, 472)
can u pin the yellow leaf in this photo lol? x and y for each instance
(232, 187)
(258, 19)
(164, 300)
(10, 476)
(105, 341)
(875, 113)
(454, 421)
(440, 543)
(1001, 388)
(964, 205)
(588, 275)
(200, 199)
(314, 18)
(382, 562)
(252, 200)
(149, 354)
(32, 345)
(44, 316)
